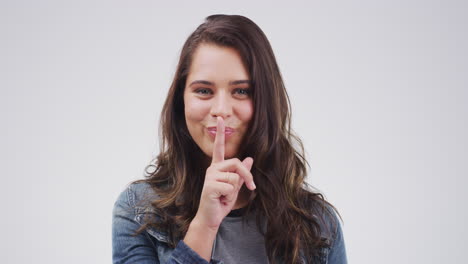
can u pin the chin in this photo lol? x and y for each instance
(227, 155)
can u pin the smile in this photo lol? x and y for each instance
(228, 131)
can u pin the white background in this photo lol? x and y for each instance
(378, 91)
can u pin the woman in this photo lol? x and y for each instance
(228, 185)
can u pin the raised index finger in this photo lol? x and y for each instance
(218, 148)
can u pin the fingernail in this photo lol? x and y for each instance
(253, 186)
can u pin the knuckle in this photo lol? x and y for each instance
(234, 176)
(237, 161)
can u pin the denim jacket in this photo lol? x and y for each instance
(151, 246)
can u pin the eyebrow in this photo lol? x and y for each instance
(230, 83)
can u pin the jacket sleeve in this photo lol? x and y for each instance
(127, 248)
(337, 254)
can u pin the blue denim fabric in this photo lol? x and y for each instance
(151, 245)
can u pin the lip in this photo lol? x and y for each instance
(228, 131)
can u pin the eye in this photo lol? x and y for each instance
(242, 91)
(203, 91)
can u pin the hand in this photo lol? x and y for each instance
(223, 180)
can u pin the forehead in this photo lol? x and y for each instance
(217, 64)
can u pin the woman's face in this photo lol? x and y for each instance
(217, 85)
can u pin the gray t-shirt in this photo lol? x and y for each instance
(238, 242)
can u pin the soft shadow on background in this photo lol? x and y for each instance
(378, 91)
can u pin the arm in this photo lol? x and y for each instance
(127, 248)
(200, 238)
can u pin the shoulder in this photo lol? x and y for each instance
(328, 220)
(137, 196)
(142, 194)
(135, 203)
(337, 249)
(331, 233)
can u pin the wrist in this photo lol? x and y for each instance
(202, 227)
(200, 238)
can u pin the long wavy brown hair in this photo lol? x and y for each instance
(294, 215)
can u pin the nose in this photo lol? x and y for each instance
(221, 105)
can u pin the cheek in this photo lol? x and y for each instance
(195, 110)
(245, 111)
